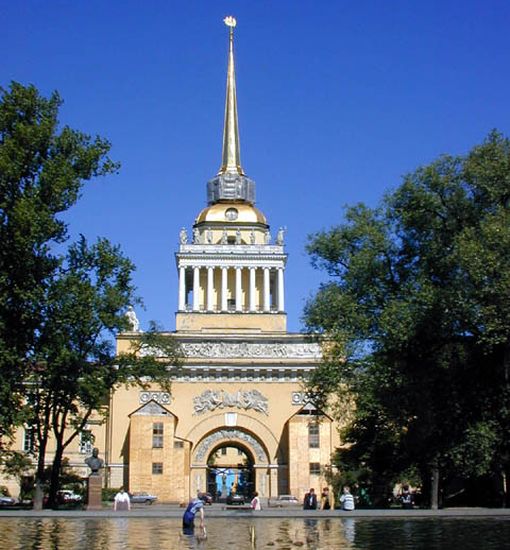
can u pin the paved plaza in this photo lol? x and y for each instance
(221, 511)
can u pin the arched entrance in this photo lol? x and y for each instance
(230, 460)
(230, 473)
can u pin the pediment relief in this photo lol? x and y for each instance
(151, 409)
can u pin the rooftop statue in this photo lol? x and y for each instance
(280, 236)
(133, 319)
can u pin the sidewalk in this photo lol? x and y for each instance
(219, 511)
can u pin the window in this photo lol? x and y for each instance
(86, 442)
(315, 468)
(157, 468)
(223, 450)
(157, 435)
(28, 440)
(313, 435)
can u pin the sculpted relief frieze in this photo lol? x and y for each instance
(161, 397)
(230, 350)
(229, 434)
(210, 400)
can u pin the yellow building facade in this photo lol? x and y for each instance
(237, 406)
(241, 387)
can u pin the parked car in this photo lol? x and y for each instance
(206, 498)
(142, 498)
(7, 501)
(285, 500)
(67, 496)
(235, 499)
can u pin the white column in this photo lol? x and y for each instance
(196, 288)
(252, 288)
(182, 288)
(210, 284)
(223, 289)
(266, 289)
(239, 290)
(281, 295)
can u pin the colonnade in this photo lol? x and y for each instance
(238, 291)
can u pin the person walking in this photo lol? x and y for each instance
(310, 500)
(122, 500)
(347, 500)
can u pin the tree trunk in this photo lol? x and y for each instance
(434, 489)
(55, 475)
(39, 477)
(38, 494)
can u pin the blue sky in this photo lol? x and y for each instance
(337, 101)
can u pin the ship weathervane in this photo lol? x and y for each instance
(230, 21)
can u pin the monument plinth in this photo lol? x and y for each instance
(94, 488)
(95, 481)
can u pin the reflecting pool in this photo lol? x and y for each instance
(254, 533)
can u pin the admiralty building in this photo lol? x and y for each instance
(237, 418)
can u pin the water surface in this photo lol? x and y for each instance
(255, 533)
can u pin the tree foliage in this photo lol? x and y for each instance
(59, 312)
(417, 309)
(42, 171)
(77, 367)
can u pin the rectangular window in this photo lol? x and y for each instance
(157, 435)
(157, 468)
(223, 450)
(315, 468)
(313, 435)
(28, 440)
(86, 442)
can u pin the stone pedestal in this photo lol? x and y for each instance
(95, 484)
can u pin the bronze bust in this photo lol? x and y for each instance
(94, 462)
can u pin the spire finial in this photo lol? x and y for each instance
(231, 156)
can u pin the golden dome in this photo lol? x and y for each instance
(233, 212)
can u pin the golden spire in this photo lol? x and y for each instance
(231, 157)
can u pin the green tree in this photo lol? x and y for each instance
(77, 364)
(42, 171)
(417, 313)
(59, 312)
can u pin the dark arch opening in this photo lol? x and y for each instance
(230, 473)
